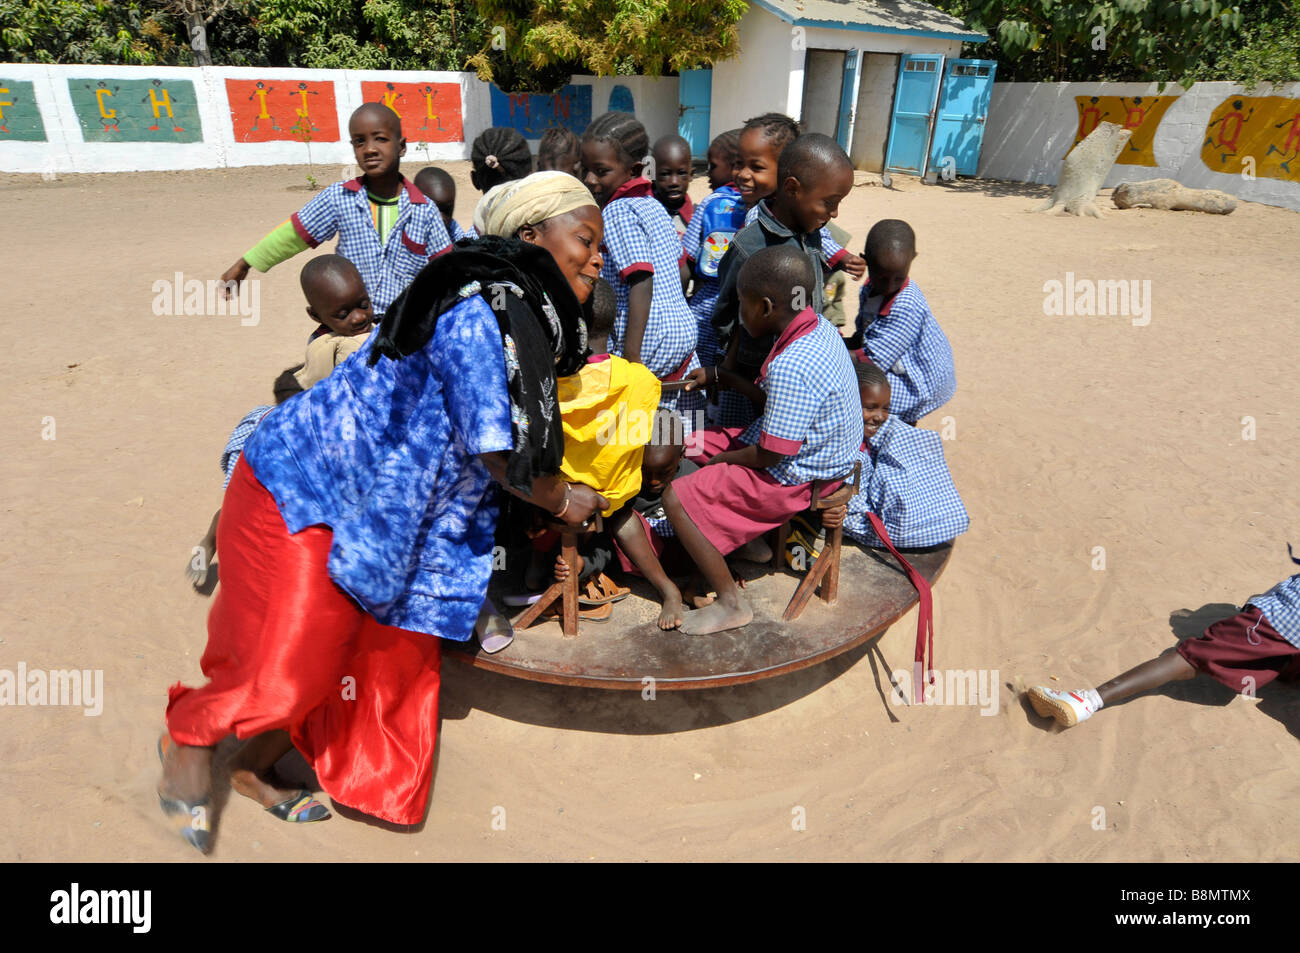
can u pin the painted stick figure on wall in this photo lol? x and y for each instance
(107, 114)
(304, 127)
(430, 94)
(4, 91)
(1136, 114)
(1090, 118)
(391, 98)
(1225, 138)
(158, 105)
(259, 93)
(1292, 145)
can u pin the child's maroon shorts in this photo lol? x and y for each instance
(732, 504)
(1243, 652)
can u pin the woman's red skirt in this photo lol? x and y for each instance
(287, 648)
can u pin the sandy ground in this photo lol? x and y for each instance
(1071, 433)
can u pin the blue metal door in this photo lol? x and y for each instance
(848, 94)
(959, 120)
(694, 93)
(913, 116)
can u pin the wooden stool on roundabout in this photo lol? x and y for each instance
(631, 651)
(825, 570)
(565, 589)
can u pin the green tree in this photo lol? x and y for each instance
(1184, 40)
(535, 44)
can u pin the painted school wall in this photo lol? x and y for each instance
(58, 119)
(769, 75)
(1201, 137)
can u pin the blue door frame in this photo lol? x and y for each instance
(910, 125)
(694, 96)
(962, 112)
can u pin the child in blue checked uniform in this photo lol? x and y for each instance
(386, 226)
(810, 428)
(655, 326)
(1244, 652)
(716, 220)
(896, 329)
(905, 481)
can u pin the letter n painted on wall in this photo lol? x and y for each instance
(1142, 114)
(20, 117)
(430, 112)
(136, 110)
(1265, 128)
(275, 110)
(532, 113)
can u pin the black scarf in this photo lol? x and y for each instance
(544, 329)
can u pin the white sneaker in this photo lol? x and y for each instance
(1068, 708)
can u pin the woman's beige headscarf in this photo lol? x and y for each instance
(508, 207)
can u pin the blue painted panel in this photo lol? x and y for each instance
(620, 100)
(532, 113)
(914, 103)
(694, 99)
(960, 118)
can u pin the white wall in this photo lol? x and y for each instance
(1032, 125)
(66, 150)
(768, 74)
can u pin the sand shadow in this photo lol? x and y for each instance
(1278, 701)
(999, 188)
(465, 689)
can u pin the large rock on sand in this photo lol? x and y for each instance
(1174, 196)
(1085, 169)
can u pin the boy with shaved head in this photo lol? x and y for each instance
(385, 225)
(809, 428)
(897, 330)
(813, 176)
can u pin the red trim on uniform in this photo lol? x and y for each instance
(680, 372)
(301, 229)
(787, 448)
(805, 322)
(687, 210)
(414, 246)
(683, 257)
(353, 185)
(838, 258)
(441, 251)
(888, 305)
(633, 189)
(415, 195)
(635, 267)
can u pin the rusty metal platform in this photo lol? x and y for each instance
(623, 652)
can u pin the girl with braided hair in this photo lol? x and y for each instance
(643, 254)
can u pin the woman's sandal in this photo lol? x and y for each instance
(301, 808)
(601, 590)
(188, 818)
(585, 614)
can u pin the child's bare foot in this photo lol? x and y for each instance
(671, 612)
(718, 618)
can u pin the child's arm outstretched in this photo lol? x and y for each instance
(315, 222)
(724, 379)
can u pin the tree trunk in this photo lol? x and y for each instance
(198, 35)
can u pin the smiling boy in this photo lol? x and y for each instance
(813, 175)
(386, 226)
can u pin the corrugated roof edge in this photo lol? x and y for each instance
(968, 36)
